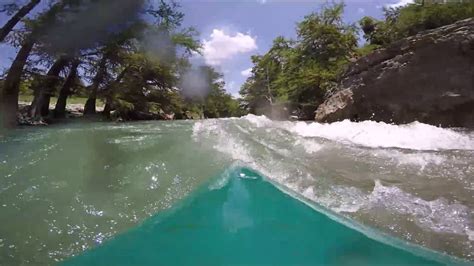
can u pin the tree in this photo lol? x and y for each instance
(295, 75)
(148, 66)
(408, 20)
(133, 59)
(56, 33)
(267, 85)
(152, 43)
(109, 94)
(66, 90)
(89, 108)
(216, 102)
(10, 88)
(40, 105)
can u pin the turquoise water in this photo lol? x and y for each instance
(67, 189)
(247, 221)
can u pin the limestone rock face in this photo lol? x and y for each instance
(336, 107)
(428, 77)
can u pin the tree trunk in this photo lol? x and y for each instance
(107, 109)
(10, 90)
(40, 104)
(8, 27)
(109, 102)
(60, 109)
(89, 107)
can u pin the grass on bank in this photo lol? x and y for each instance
(70, 100)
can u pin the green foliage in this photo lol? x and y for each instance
(377, 33)
(151, 85)
(152, 65)
(139, 65)
(367, 49)
(413, 18)
(216, 103)
(298, 73)
(219, 103)
(25, 87)
(135, 68)
(187, 40)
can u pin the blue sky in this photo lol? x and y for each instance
(232, 31)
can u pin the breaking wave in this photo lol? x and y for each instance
(415, 136)
(414, 181)
(87, 182)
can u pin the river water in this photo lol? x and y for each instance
(68, 188)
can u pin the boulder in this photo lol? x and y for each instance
(428, 78)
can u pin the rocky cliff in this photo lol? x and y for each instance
(428, 77)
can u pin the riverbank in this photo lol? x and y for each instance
(73, 111)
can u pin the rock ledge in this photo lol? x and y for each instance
(428, 77)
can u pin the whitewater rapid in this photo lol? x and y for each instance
(84, 183)
(414, 181)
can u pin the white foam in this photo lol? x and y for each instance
(259, 121)
(420, 159)
(310, 146)
(470, 234)
(438, 215)
(231, 138)
(337, 198)
(223, 141)
(416, 136)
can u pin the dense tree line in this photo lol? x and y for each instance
(409, 20)
(295, 76)
(132, 55)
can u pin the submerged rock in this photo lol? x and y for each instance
(428, 77)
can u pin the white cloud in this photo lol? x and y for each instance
(220, 46)
(247, 72)
(236, 95)
(230, 86)
(400, 3)
(360, 10)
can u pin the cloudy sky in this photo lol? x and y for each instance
(231, 30)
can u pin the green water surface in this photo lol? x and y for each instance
(248, 221)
